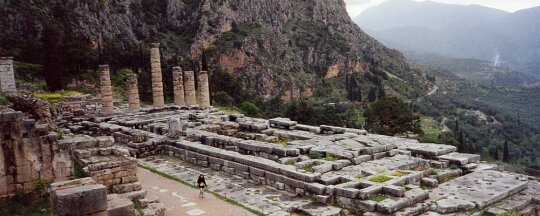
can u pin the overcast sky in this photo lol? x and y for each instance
(355, 7)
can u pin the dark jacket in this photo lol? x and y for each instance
(201, 183)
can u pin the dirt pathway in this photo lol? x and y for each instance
(183, 200)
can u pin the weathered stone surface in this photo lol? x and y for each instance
(106, 90)
(134, 102)
(204, 89)
(81, 200)
(157, 77)
(7, 75)
(189, 88)
(178, 86)
(120, 207)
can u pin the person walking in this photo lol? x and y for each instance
(201, 183)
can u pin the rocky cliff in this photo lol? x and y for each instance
(273, 47)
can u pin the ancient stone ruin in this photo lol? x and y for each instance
(106, 90)
(189, 88)
(178, 85)
(332, 166)
(134, 102)
(274, 166)
(7, 75)
(157, 77)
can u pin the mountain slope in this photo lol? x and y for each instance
(272, 47)
(459, 31)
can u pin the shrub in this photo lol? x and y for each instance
(250, 109)
(3, 101)
(315, 155)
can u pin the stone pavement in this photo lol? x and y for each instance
(183, 200)
(262, 198)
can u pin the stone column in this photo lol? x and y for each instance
(7, 75)
(133, 92)
(189, 84)
(157, 79)
(106, 90)
(178, 85)
(204, 91)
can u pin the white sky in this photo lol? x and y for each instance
(355, 7)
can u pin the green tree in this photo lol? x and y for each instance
(506, 152)
(372, 95)
(390, 116)
(250, 109)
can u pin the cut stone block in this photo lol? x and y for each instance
(82, 200)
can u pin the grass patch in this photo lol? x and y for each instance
(309, 168)
(398, 174)
(379, 179)
(217, 195)
(360, 176)
(377, 197)
(55, 97)
(291, 162)
(453, 166)
(282, 142)
(330, 157)
(228, 110)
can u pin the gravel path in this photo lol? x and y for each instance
(183, 200)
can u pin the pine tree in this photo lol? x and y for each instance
(496, 154)
(506, 152)
(461, 147)
(372, 95)
(381, 92)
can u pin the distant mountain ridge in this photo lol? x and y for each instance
(458, 31)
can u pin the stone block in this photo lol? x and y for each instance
(429, 182)
(393, 190)
(120, 207)
(81, 200)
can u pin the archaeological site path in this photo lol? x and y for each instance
(183, 200)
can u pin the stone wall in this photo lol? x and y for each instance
(7, 75)
(28, 153)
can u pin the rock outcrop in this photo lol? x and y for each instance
(274, 47)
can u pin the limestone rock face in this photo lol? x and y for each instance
(275, 47)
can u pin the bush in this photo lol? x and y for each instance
(223, 98)
(250, 109)
(3, 101)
